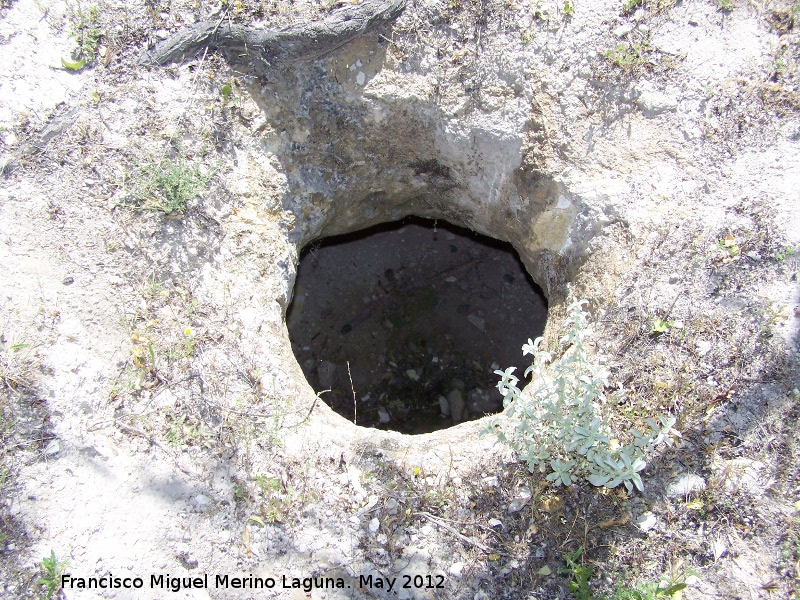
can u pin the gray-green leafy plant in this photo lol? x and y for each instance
(560, 426)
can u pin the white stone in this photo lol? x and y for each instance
(491, 480)
(623, 30)
(456, 569)
(652, 101)
(391, 506)
(646, 521)
(523, 497)
(477, 321)
(703, 347)
(371, 502)
(456, 401)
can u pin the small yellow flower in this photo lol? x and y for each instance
(416, 470)
(138, 358)
(189, 332)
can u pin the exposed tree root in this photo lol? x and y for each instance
(264, 48)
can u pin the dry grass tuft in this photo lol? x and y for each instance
(17, 366)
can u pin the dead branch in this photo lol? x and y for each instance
(264, 48)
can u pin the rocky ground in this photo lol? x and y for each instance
(153, 418)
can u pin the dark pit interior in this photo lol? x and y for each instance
(417, 314)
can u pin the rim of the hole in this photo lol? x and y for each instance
(465, 429)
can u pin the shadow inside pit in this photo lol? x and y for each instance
(418, 314)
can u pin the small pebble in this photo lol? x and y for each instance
(456, 569)
(646, 521)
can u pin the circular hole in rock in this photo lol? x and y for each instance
(418, 314)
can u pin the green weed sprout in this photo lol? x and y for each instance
(53, 569)
(169, 184)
